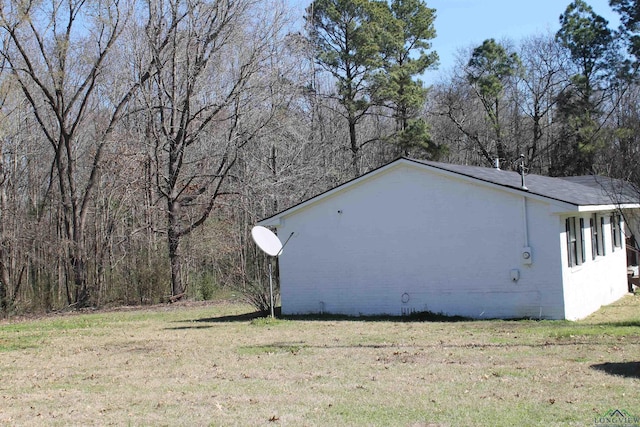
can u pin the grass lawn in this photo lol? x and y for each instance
(199, 365)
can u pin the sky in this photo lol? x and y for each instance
(462, 24)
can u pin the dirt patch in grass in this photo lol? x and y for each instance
(216, 364)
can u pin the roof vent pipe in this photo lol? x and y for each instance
(496, 163)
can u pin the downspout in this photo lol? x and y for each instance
(525, 221)
(526, 248)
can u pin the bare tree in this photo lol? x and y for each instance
(56, 52)
(545, 77)
(203, 104)
(12, 265)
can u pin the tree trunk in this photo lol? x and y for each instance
(500, 150)
(354, 148)
(4, 258)
(4, 276)
(175, 258)
(82, 294)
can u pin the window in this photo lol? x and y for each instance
(615, 232)
(595, 236)
(583, 249)
(572, 242)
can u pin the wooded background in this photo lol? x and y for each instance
(142, 139)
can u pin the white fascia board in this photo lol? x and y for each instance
(610, 207)
(595, 208)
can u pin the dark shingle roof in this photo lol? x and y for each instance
(579, 191)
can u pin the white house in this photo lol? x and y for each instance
(415, 236)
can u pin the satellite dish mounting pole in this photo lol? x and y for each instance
(271, 275)
(273, 315)
(270, 244)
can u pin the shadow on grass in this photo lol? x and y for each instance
(245, 317)
(209, 321)
(622, 369)
(425, 316)
(414, 317)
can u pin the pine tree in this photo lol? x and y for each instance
(346, 36)
(590, 44)
(407, 54)
(488, 70)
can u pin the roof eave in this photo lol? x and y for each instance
(566, 208)
(609, 207)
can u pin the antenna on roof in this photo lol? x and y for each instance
(522, 171)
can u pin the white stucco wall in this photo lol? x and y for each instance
(441, 243)
(597, 282)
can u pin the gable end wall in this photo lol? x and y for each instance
(413, 240)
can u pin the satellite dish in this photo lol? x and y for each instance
(266, 240)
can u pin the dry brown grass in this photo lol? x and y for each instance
(210, 365)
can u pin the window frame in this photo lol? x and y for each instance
(616, 235)
(572, 242)
(595, 237)
(602, 234)
(583, 249)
